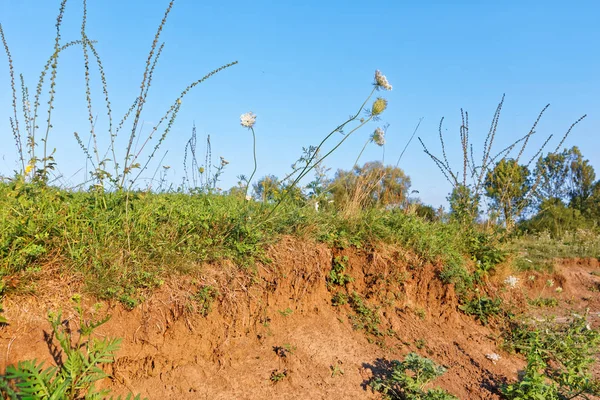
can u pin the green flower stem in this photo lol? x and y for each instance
(255, 164)
(309, 167)
(360, 154)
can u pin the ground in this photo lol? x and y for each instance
(275, 334)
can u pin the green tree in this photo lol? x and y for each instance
(371, 185)
(464, 205)
(508, 186)
(565, 176)
(582, 176)
(267, 189)
(551, 172)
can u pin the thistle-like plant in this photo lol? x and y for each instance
(470, 183)
(79, 360)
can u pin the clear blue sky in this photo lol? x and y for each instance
(304, 66)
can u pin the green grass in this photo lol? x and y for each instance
(536, 252)
(125, 243)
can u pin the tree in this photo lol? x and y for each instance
(508, 186)
(582, 178)
(464, 204)
(551, 172)
(565, 176)
(371, 185)
(267, 189)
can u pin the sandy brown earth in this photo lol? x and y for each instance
(282, 321)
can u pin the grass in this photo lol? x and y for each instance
(536, 252)
(124, 243)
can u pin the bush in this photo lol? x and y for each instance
(407, 379)
(559, 360)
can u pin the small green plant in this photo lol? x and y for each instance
(365, 318)
(337, 275)
(420, 313)
(79, 364)
(339, 299)
(544, 302)
(336, 369)
(420, 343)
(406, 380)
(205, 298)
(287, 312)
(560, 357)
(482, 308)
(278, 376)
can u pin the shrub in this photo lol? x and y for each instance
(407, 379)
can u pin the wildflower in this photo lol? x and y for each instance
(178, 101)
(28, 169)
(550, 283)
(224, 162)
(201, 170)
(493, 357)
(381, 81)
(511, 281)
(378, 137)
(532, 278)
(379, 106)
(247, 120)
(558, 289)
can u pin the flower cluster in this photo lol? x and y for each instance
(381, 81)
(379, 106)
(378, 137)
(247, 120)
(511, 281)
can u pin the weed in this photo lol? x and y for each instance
(339, 299)
(337, 275)
(287, 312)
(559, 359)
(544, 302)
(79, 364)
(205, 297)
(278, 376)
(406, 380)
(336, 369)
(420, 313)
(284, 351)
(420, 343)
(482, 307)
(365, 318)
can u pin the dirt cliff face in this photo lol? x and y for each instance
(276, 334)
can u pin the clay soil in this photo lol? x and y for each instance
(275, 334)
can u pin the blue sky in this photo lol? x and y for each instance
(304, 66)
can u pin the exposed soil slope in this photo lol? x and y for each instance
(281, 323)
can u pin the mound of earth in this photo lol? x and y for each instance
(276, 334)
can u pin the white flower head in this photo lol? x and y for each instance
(378, 137)
(381, 81)
(511, 281)
(558, 289)
(247, 120)
(550, 283)
(493, 357)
